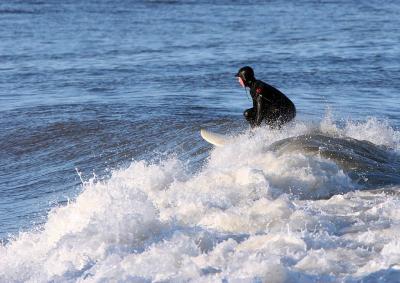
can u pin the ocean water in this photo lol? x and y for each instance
(105, 178)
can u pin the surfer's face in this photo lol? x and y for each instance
(241, 81)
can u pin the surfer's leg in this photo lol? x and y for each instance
(289, 116)
(281, 120)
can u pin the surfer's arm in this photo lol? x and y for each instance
(259, 111)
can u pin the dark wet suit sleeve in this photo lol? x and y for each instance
(260, 109)
(250, 114)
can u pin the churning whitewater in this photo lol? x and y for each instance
(308, 203)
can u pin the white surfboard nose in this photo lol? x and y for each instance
(214, 138)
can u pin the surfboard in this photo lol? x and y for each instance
(214, 138)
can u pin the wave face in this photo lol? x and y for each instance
(308, 203)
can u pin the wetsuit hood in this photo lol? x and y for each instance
(246, 73)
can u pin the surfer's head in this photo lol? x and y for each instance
(245, 76)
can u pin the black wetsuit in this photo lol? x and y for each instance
(269, 105)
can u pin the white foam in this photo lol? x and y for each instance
(373, 130)
(237, 219)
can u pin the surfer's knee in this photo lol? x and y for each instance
(248, 114)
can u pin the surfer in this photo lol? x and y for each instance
(269, 104)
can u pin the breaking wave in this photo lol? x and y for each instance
(307, 203)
